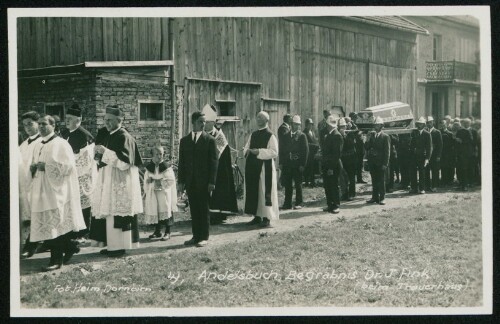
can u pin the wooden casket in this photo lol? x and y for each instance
(397, 117)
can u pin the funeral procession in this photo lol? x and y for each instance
(151, 138)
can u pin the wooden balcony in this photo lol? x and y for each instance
(451, 70)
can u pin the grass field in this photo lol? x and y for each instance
(427, 256)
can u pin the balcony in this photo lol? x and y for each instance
(450, 71)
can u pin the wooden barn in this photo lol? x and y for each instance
(160, 70)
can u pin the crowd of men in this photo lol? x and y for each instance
(74, 186)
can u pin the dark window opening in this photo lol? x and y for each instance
(226, 108)
(150, 111)
(55, 110)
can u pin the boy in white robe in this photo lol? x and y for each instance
(161, 195)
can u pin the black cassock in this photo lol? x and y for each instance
(224, 196)
(127, 151)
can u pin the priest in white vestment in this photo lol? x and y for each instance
(54, 195)
(261, 187)
(30, 125)
(117, 194)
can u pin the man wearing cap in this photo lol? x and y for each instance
(261, 190)
(81, 142)
(30, 124)
(294, 164)
(331, 164)
(420, 152)
(197, 173)
(435, 159)
(312, 142)
(378, 147)
(360, 147)
(223, 200)
(117, 193)
(54, 195)
(348, 157)
(447, 155)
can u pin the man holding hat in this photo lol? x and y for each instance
(117, 194)
(435, 159)
(81, 142)
(420, 153)
(378, 147)
(295, 158)
(331, 164)
(223, 200)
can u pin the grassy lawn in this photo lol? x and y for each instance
(427, 256)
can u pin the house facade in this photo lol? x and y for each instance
(448, 67)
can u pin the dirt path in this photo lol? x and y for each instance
(236, 230)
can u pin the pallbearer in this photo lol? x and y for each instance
(82, 143)
(54, 195)
(378, 147)
(447, 155)
(348, 159)
(223, 200)
(117, 195)
(331, 164)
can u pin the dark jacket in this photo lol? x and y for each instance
(332, 150)
(297, 150)
(78, 139)
(448, 151)
(464, 143)
(197, 161)
(421, 145)
(283, 130)
(349, 149)
(379, 149)
(437, 144)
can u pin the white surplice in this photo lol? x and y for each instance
(25, 160)
(159, 204)
(54, 194)
(269, 153)
(117, 192)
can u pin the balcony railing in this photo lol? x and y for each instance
(451, 70)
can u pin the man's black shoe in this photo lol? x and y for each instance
(115, 254)
(371, 201)
(255, 221)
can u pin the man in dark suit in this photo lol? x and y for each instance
(283, 131)
(197, 173)
(323, 127)
(465, 154)
(80, 140)
(331, 164)
(348, 157)
(420, 152)
(447, 154)
(435, 160)
(378, 147)
(295, 158)
(360, 147)
(311, 165)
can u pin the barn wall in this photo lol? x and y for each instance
(72, 40)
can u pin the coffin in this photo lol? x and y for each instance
(396, 115)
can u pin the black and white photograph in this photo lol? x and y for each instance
(250, 161)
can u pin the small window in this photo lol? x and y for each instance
(55, 109)
(226, 108)
(150, 111)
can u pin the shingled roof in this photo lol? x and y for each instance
(392, 22)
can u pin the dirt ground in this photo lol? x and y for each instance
(236, 230)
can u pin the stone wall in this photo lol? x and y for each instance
(36, 93)
(126, 93)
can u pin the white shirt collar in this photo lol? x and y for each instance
(420, 131)
(48, 136)
(263, 128)
(34, 136)
(195, 134)
(71, 131)
(114, 131)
